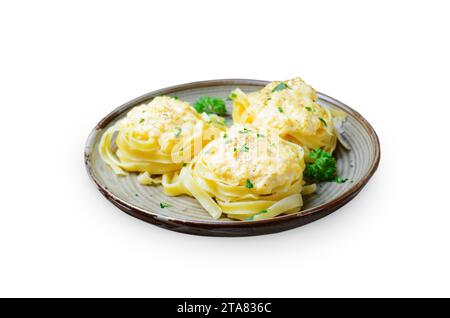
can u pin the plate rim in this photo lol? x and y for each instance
(145, 214)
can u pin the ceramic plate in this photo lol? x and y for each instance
(187, 216)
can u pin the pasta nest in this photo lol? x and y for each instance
(247, 173)
(291, 109)
(157, 138)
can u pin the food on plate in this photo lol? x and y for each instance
(157, 138)
(247, 174)
(291, 109)
(279, 146)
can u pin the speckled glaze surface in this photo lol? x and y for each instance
(186, 214)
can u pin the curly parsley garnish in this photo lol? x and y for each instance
(322, 167)
(210, 105)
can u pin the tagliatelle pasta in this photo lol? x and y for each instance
(157, 138)
(291, 109)
(248, 173)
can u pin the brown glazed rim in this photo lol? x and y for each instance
(184, 225)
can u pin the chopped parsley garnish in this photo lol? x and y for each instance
(259, 213)
(210, 105)
(232, 96)
(244, 131)
(340, 180)
(323, 121)
(280, 87)
(177, 131)
(225, 135)
(308, 108)
(280, 109)
(184, 164)
(175, 97)
(234, 149)
(260, 135)
(164, 205)
(322, 167)
(245, 148)
(141, 120)
(248, 184)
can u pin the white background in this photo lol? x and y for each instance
(66, 64)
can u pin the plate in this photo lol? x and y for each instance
(187, 215)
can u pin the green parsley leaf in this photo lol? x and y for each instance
(177, 131)
(308, 108)
(141, 120)
(175, 97)
(248, 184)
(225, 135)
(260, 135)
(245, 148)
(251, 218)
(323, 121)
(164, 205)
(232, 96)
(340, 180)
(280, 87)
(280, 109)
(210, 105)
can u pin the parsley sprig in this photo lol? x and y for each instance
(322, 167)
(210, 105)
